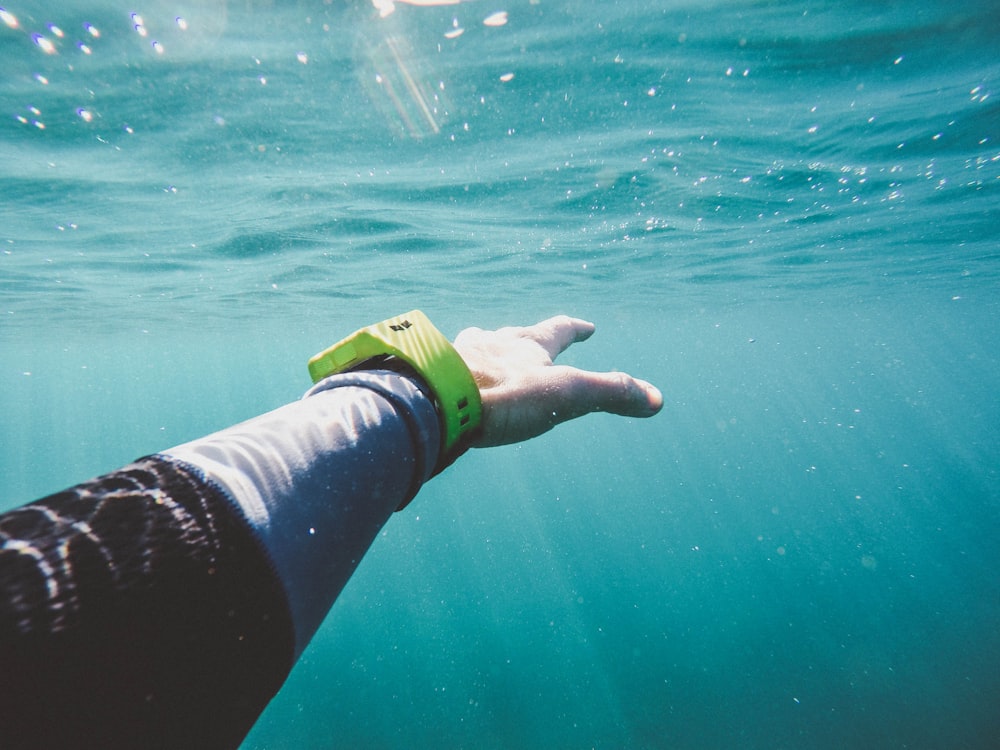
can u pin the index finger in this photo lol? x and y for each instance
(556, 334)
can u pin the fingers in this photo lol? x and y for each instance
(612, 392)
(556, 334)
(524, 394)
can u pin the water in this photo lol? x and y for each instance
(784, 214)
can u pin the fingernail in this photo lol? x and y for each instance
(654, 398)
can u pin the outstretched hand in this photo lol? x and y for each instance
(525, 394)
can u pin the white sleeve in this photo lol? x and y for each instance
(317, 479)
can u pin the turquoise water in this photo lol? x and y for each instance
(785, 214)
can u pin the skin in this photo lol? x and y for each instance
(525, 394)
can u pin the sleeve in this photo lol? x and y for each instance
(162, 605)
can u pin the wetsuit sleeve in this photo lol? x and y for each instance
(318, 479)
(162, 605)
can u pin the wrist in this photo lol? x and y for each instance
(410, 344)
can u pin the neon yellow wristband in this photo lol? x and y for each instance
(413, 339)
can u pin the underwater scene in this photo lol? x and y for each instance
(786, 215)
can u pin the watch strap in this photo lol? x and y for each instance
(414, 340)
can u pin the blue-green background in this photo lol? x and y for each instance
(785, 214)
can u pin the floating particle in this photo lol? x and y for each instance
(496, 19)
(45, 45)
(8, 18)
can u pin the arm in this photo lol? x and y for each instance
(171, 598)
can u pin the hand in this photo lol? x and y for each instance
(524, 394)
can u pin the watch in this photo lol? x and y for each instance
(413, 339)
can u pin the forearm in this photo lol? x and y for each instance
(318, 478)
(164, 604)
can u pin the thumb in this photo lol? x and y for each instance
(611, 392)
